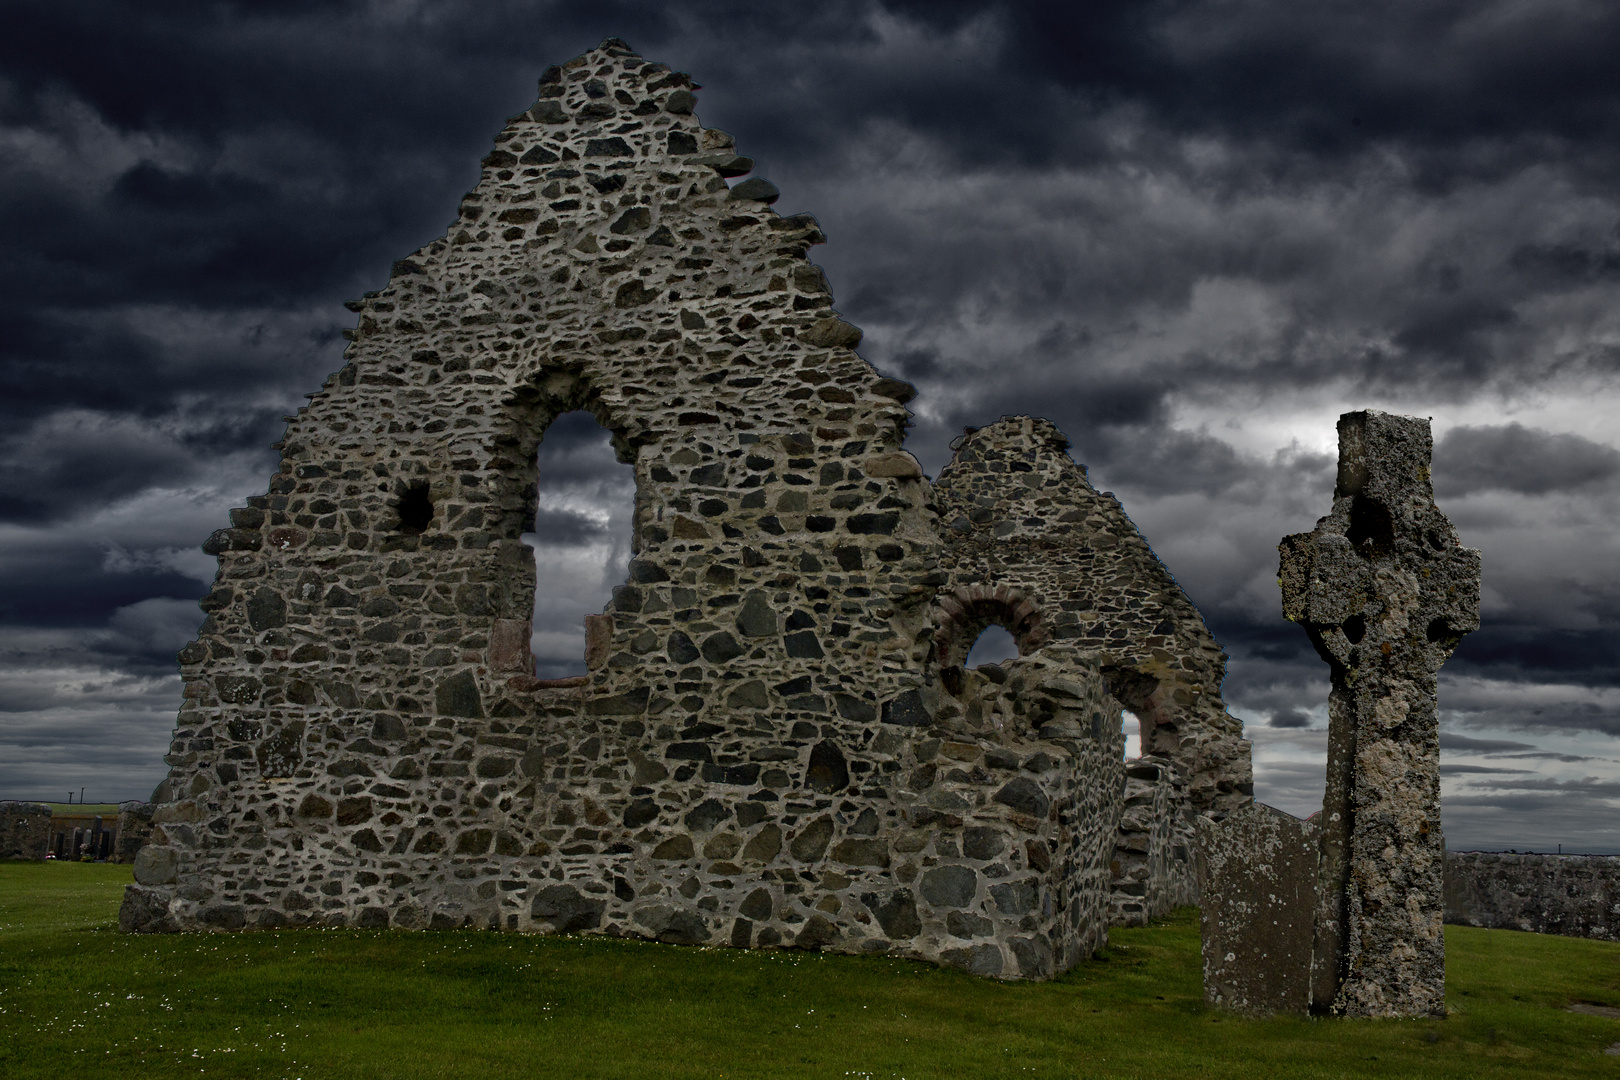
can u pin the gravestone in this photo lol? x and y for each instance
(1385, 591)
(1257, 882)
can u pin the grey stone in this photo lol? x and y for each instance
(831, 333)
(811, 841)
(223, 916)
(818, 931)
(1034, 956)
(1257, 884)
(896, 913)
(764, 846)
(803, 646)
(674, 849)
(25, 830)
(1014, 897)
(983, 843)
(976, 959)
(156, 865)
(757, 906)
(1572, 895)
(749, 695)
(965, 924)
(267, 610)
(861, 853)
(950, 886)
(146, 911)
(680, 648)
(611, 147)
(639, 813)
(721, 648)
(756, 190)
(907, 710)
(1025, 796)
(458, 696)
(636, 219)
(727, 165)
(706, 815)
(1384, 588)
(828, 772)
(756, 619)
(566, 909)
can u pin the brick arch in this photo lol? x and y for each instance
(963, 613)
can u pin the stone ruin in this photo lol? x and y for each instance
(25, 830)
(1385, 591)
(777, 742)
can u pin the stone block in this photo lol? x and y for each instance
(25, 830)
(509, 646)
(1257, 887)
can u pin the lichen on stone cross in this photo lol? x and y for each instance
(1385, 591)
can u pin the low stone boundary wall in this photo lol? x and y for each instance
(1571, 895)
(25, 830)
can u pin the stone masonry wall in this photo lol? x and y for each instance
(1032, 546)
(1153, 869)
(134, 830)
(761, 753)
(1573, 895)
(25, 830)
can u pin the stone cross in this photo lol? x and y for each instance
(1385, 591)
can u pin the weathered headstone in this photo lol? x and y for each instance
(1385, 591)
(1257, 894)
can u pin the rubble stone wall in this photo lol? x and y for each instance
(25, 830)
(134, 830)
(1573, 895)
(765, 751)
(1032, 546)
(1153, 869)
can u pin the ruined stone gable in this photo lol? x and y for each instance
(1030, 545)
(756, 756)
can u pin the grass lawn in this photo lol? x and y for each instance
(80, 1000)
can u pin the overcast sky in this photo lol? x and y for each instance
(1190, 233)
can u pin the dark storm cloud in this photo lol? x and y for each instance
(1153, 222)
(1290, 718)
(1517, 458)
(1452, 741)
(564, 527)
(1590, 656)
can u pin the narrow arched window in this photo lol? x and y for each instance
(585, 499)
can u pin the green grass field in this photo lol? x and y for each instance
(80, 1000)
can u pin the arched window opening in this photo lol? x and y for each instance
(585, 502)
(992, 623)
(1133, 734)
(995, 645)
